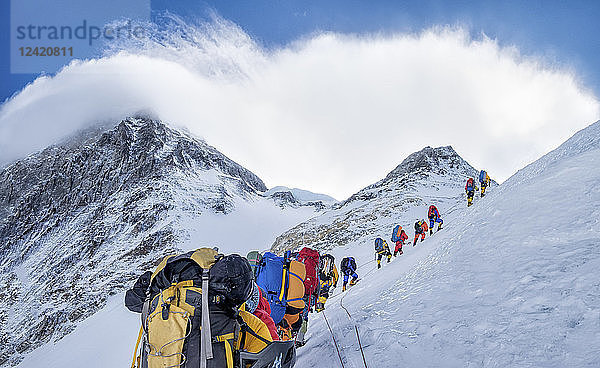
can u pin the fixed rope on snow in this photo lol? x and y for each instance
(352, 320)
(362, 352)
(334, 341)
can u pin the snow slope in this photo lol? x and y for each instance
(510, 282)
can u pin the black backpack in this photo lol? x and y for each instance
(348, 263)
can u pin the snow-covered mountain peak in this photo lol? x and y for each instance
(429, 176)
(151, 139)
(428, 168)
(295, 197)
(429, 160)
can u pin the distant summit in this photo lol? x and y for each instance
(434, 160)
(429, 175)
(299, 197)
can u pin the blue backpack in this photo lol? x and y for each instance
(396, 233)
(379, 245)
(482, 174)
(270, 277)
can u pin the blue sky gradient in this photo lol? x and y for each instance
(564, 33)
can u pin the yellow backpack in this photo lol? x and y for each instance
(172, 333)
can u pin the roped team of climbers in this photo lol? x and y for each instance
(204, 288)
(471, 187)
(267, 298)
(399, 235)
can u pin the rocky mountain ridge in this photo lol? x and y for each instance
(432, 175)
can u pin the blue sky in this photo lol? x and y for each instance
(564, 32)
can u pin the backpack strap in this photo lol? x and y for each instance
(285, 283)
(226, 338)
(206, 339)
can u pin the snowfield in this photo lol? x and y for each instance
(511, 282)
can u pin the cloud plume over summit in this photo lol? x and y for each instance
(330, 113)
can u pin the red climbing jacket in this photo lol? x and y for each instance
(433, 212)
(403, 236)
(263, 311)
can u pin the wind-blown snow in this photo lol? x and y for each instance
(511, 281)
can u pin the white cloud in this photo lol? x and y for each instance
(331, 113)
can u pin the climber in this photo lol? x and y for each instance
(282, 279)
(484, 181)
(434, 216)
(328, 276)
(470, 189)
(420, 230)
(254, 257)
(348, 268)
(382, 250)
(399, 236)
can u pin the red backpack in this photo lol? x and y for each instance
(310, 258)
(433, 211)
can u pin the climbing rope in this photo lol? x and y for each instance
(362, 352)
(334, 341)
